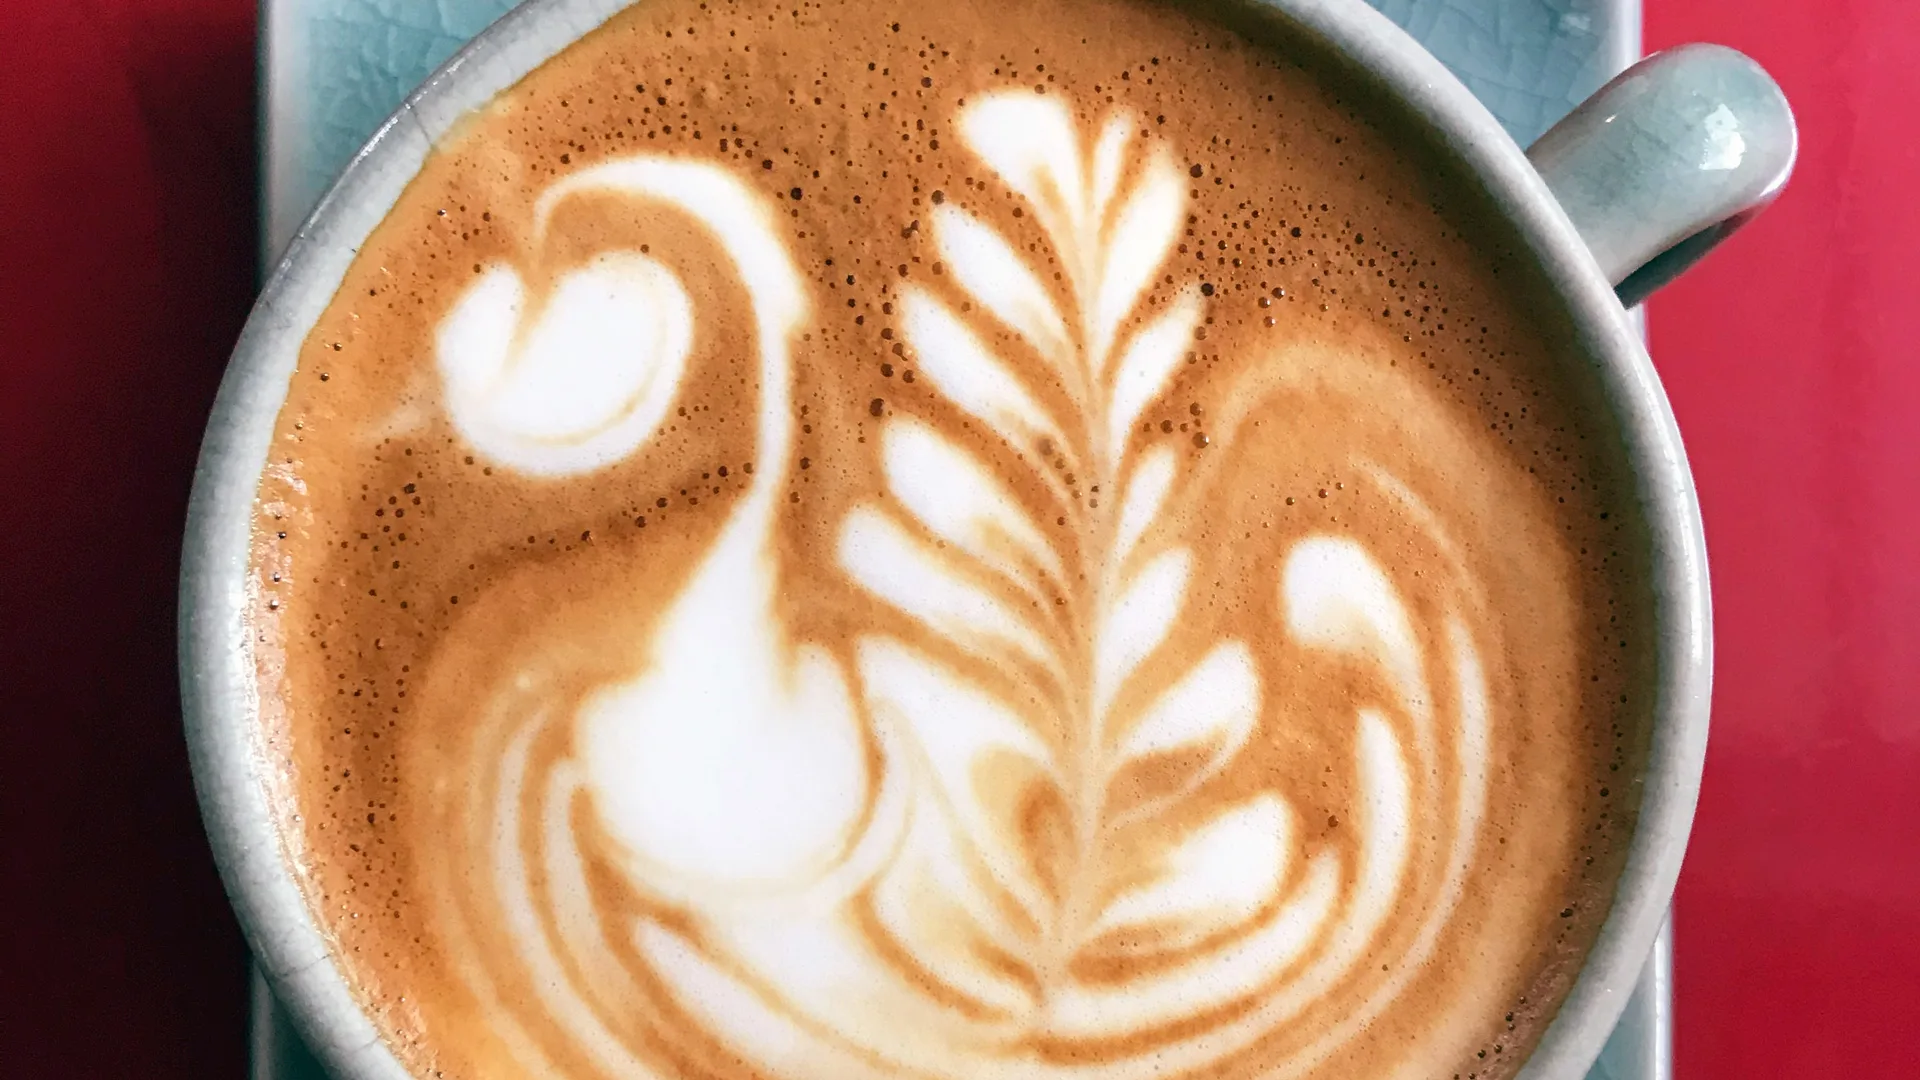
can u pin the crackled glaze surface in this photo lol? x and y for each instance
(335, 68)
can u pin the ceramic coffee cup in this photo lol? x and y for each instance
(1622, 195)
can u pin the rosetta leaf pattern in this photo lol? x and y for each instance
(991, 587)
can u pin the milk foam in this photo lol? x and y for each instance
(733, 770)
(978, 570)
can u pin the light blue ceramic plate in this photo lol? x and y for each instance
(332, 70)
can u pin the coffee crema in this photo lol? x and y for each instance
(873, 540)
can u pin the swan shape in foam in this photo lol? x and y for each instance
(721, 766)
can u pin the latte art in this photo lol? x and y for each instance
(896, 864)
(1152, 679)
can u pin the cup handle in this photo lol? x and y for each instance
(1667, 160)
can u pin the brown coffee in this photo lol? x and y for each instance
(952, 541)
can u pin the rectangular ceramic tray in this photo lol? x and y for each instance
(331, 71)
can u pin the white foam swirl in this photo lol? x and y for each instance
(581, 382)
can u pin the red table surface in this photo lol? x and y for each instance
(127, 199)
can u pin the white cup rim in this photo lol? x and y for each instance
(220, 702)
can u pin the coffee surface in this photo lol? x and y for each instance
(950, 541)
